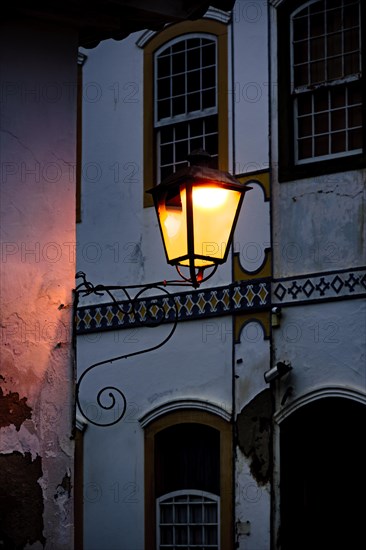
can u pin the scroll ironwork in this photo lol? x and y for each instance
(86, 288)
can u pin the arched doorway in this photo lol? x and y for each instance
(323, 476)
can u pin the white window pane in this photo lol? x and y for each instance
(178, 140)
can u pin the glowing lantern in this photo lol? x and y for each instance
(197, 209)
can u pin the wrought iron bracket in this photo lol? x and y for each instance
(106, 397)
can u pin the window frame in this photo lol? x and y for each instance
(288, 168)
(177, 31)
(194, 416)
(188, 492)
(186, 119)
(195, 114)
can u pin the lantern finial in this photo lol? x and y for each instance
(200, 157)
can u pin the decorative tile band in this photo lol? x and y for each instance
(319, 287)
(238, 297)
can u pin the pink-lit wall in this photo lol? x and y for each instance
(38, 155)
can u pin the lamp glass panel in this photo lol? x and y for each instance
(214, 211)
(172, 211)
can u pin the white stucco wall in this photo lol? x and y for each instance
(119, 240)
(194, 364)
(250, 89)
(110, 233)
(253, 232)
(319, 224)
(325, 344)
(252, 499)
(38, 142)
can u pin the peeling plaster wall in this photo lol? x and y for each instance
(37, 146)
(251, 89)
(326, 346)
(253, 405)
(21, 505)
(318, 225)
(254, 435)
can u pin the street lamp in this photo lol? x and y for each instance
(197, 208)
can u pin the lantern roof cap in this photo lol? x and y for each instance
(199, 171)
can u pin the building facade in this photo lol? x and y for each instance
(245, 429)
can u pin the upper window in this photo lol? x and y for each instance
(185, 97)
(324, 110)
(185, 101)
(326, 86)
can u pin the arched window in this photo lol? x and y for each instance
(185, 97)
(188, 518)
(321, 109)
(188, 481)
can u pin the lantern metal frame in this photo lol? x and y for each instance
(200, 173)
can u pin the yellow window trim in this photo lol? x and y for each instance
(226, 470)
(173, 31)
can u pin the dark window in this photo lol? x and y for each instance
(187, 457)
(187, 486)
